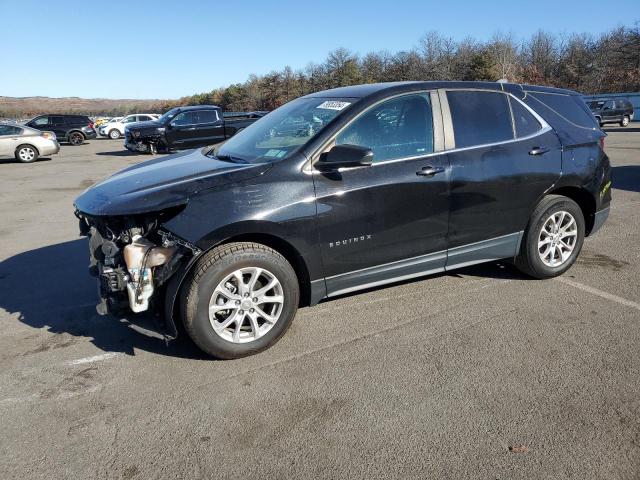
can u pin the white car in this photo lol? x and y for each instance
(115, 129)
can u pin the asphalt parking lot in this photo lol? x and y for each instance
(480, 373)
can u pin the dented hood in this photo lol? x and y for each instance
(162, 183)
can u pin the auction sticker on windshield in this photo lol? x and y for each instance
(334, 105)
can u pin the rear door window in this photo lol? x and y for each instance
(207, 116)
(524, 122)
(9, 130)
(479, 118)
(398, 128)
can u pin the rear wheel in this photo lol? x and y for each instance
(26, 153)
(76, 138)
(239, 300)
(553, 239)
(114, 134)
(625, 121)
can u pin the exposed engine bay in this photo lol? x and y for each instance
(132, 257)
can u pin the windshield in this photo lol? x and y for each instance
(168, 115)
(283, 131)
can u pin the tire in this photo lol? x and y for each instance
(625, 121)
(26, 154)
(76, 138)
(114, 134)
(530, 258)
(211, 284)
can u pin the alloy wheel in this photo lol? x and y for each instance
(246, 304)
(76, 139)
(557, 238)
(26, 154)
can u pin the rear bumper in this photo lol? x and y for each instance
(599, 219)
(90, 134)
(50, 149)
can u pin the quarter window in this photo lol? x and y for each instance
(398, 128)
(479, 118)
(525, 123)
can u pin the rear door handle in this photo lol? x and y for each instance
(538, 150)
(429, 171)
(191, 128)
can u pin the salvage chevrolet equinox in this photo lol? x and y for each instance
(343, 190)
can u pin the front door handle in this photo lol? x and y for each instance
(190, 129)
(538, 150)
(429, 171)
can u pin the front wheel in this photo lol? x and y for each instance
(625, 121)
(239, 299)
(553, 239)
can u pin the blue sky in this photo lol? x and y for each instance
(168, 49)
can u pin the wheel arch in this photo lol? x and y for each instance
(26, 145)
(280, 245)
(75, 130)
(585, 201)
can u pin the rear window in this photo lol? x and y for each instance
(479, 117)
(567, 107)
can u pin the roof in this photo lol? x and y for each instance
(365, 90)
(197, 107)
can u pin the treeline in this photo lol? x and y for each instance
(609, 62)
(589, 64)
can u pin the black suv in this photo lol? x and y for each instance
(74, 129)
(375, 184)
(612, 110)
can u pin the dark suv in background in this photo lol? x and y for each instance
(74, 129)
(612, 110)
(376, 184)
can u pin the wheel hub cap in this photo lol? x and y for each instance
(246, 304)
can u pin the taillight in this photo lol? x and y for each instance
(602, 143)
(90, 124)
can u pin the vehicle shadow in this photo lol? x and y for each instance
(626, 177)
(622, 129)
(13, 160)
(50, 288)
(119, 153)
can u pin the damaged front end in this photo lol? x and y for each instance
(133, 258)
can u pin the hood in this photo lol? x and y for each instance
(147, 124)
(162, 183)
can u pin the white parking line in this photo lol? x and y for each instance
(599, 293)
(95, 358)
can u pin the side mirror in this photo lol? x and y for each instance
(341, 156)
